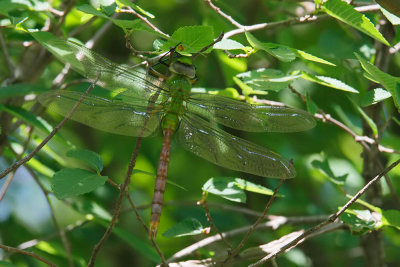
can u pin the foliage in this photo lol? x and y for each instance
(338, 61)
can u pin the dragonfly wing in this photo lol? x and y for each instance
(112, 116)
(131, 82)
(249, 117)
(226, 150)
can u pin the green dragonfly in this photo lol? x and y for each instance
(141, 104)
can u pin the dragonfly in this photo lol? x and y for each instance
(141, 104)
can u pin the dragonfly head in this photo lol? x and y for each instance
(183, 66)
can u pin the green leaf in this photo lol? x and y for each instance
(233, 188)
(346, 13)
(92, 159)
(135, 7)
(74, 182)
(375, 96)
(395, 20)
(20, 89)
(189, 226)
(226, 188)
(136, 24)
(252, 187)
(324, 167)
(389, 82)
(26, 116)
(228, 44)
(282, 52)
(328, 81)
(361, 221)
(391, 218)
(370, 122)
(193, 39)
(309, 57)
(266, 79)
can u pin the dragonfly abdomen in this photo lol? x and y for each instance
(159, 187)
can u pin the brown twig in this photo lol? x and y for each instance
(203, 202)
(60, 231)
(331, 219)
(47, 139)
(291, 21)
(259, 220)
(31, 254)
(124, 187)
(274, 223)
(146, 229)
(129, 10)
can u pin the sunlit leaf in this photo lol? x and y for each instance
(282, 52)
(375, 96)
(361, 221)
(225, 187)
(346, 13)
(189, 226)
(328, 81)
(391, 83)
(228, 44)
(193, 39)
(266, 79)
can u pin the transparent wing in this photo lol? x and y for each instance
(223, 149)
(112, 116)
(248, 117)
(131, 82)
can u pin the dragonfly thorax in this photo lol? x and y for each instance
(184, 69)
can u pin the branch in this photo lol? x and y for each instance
(124, 187)
(291, 21)
(331, 219)
(129, 10)
(31, 254)
(259, 220)
(47, 139)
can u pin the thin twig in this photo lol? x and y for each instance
(331, 219)
(34, 242)
(291, 21)
(224, 15)
(124, 187)
(31, 254)
(47, 139)
(118, 204)
(146, 229)
(6, 184)
(60, 231)
(274, 223)
(203, 202)
(129, 10)
(259, 220)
